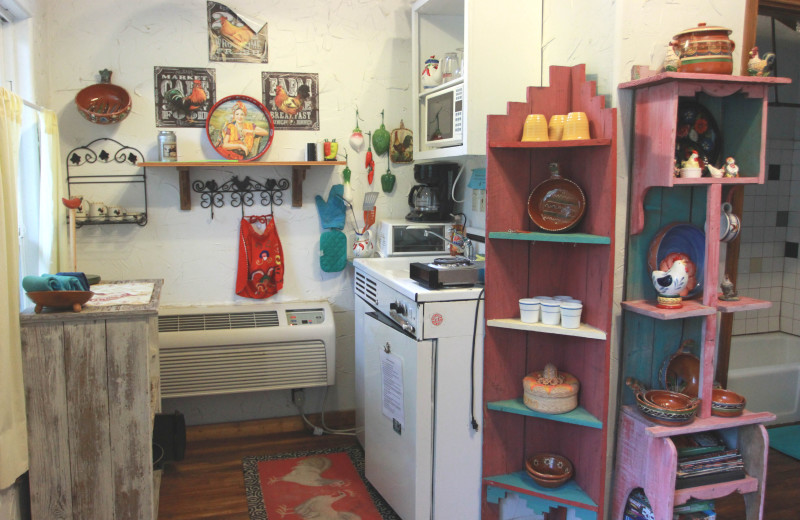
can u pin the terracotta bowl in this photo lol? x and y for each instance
(725, 403)
(670, 400)
(103, 103)
(549, 470)
(59, 299)
(681, 371)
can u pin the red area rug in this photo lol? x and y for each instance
(313, 484)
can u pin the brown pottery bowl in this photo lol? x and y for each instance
(726, 403)
(673, 401)
(104, 103)
(549, 470)
(683, 407)
(59, 299)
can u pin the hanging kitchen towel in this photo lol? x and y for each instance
(332, 251)
(260, 273)
(332, 211)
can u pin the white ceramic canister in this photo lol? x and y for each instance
(551, 312)
(529, 310)
(571, 314)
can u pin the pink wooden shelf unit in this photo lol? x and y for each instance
(646, 455)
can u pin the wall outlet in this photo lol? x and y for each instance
(298, 396)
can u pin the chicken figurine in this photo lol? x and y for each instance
(758, 66)
(669, 284)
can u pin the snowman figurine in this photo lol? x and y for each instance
(432, 73)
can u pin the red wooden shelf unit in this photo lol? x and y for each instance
(522, 261)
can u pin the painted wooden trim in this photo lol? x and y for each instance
(665, 77)
(690, 309)
(584, 331)
(577, 416)
(699, 424)
(550, 144)
(539, 236)
(745, 303)
(569, 494)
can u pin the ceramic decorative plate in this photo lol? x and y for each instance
(240, 128)
(557, 204)
(697, 130)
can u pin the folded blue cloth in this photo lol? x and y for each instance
(82, 280)
(51, 282)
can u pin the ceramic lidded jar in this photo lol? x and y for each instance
(704, 49)
(550, 391)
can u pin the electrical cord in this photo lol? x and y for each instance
(455, 182)
(324, 429)
(473, 422)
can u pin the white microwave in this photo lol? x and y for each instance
(444, 117)
(405, 238)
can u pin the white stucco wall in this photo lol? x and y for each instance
(361, 51)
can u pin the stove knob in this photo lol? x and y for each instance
(398, 307)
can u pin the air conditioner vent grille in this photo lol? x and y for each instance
(221, 321)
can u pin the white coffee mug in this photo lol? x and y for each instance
(98, 210)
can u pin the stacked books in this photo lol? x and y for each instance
(695, 510)
(703, 458)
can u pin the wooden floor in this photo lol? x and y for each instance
(208, 483)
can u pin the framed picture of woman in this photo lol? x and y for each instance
(240, 128)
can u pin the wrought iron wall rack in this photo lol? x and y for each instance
(299, 169)
(107, 151)
(242, 192)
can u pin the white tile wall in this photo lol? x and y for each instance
(764, 271)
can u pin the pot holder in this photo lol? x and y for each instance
(332, 212)
(332, 251)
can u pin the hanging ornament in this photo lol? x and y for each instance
(357, 138)
(402, 150)
(387, 179)
(380, 138)
(369, 163)
(346, 173)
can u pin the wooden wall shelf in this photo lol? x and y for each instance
(299, 169)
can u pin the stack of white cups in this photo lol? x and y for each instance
(555, 310)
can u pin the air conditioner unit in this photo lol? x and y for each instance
(245, 348)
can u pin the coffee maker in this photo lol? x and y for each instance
(431, 199)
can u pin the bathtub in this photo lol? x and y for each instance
(765, 369)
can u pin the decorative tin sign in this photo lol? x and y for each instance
(292, 98)
(231, 39)
(183, 96)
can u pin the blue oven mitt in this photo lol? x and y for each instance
(332, 212)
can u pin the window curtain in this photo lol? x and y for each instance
(13, 434)
(52, 213)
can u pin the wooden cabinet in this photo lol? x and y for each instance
(646, 456)
(92, 390)
(495, 69)
(522, 261)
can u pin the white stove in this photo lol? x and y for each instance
(419, 374)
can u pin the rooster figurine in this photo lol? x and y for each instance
(758, 66)
(669, 284)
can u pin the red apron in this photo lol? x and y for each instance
(260, 273)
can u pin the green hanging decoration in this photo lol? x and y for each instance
(380, 138)
(387, 179)
(347, 171)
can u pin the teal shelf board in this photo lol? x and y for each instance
(538, 236)
(577, 416)
(570, 494)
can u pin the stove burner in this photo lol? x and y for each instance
(451, 260)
